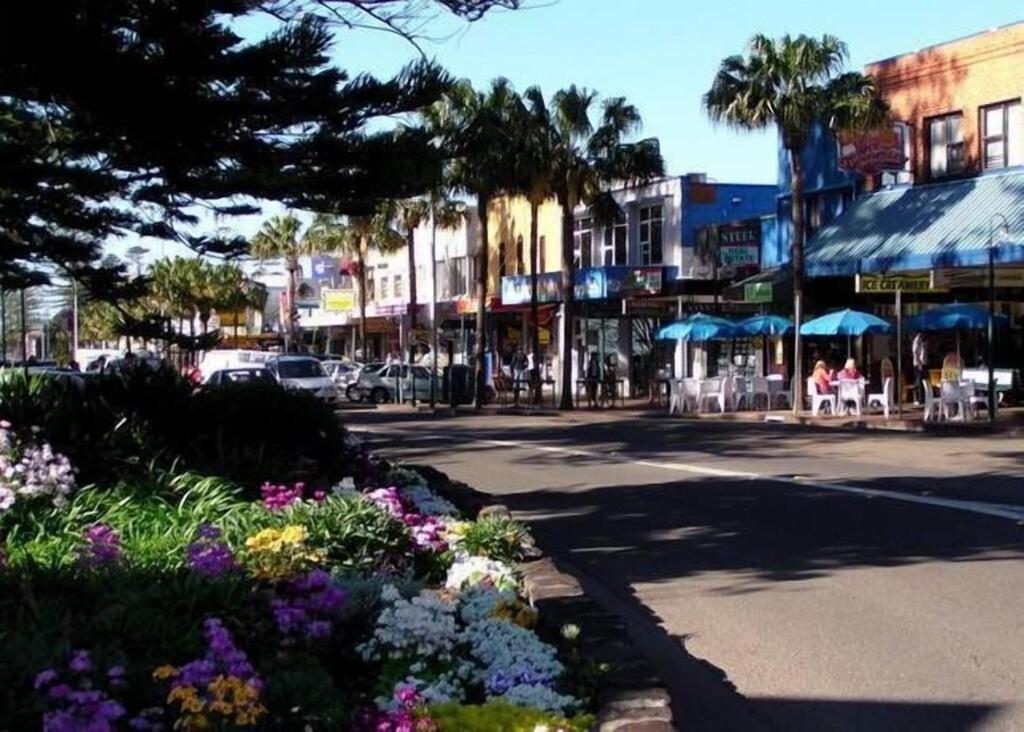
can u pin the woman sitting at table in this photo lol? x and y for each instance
(822, 376)
(850, 371)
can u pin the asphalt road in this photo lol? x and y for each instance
(839, 581)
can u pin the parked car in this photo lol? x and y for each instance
(238, 376)
(306, 373)
(343, 372)
(218, 360)
(353, 391)
(379, 385)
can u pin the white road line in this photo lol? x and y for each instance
(996, 510)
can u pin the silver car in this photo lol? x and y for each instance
(305, 373)
(380, 385)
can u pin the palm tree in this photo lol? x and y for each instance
(474, 129)
(585, 161)
(280, 238)
(793, 84)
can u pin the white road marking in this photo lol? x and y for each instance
(996, 510)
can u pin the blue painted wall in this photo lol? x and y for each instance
(733, 202)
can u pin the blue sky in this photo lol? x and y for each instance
(662, 56)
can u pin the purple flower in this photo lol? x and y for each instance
(277, 497)
(80, 662)
(83, 706)
(306, 607)
(498, 683)
(59, 691)
(44, 678)
(210, 557)
(209, 531)
(102, 547)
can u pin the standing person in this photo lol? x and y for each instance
(593, 379)
(519, 366)
(920, 351)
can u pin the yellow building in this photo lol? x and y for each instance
(508, 238)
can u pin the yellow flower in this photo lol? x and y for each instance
(293, 534)
(164, 672)
(222, 708)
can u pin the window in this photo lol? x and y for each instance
(583, 242)
(542, 244)
(904, 133)
(1002, 136)
(502, 258)
(457, 276)
(398, 286)
(651, 223)
(519, 256)
(384, 291)
(946, 145)
(371, 290)
(615, 236)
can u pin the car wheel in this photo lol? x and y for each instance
(353, 393)
(380, 395)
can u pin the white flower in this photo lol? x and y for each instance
(468, 571)
(427, 502)
(478, 602)
(423, 627)
(347, 486)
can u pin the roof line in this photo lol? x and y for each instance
(1010, 172)
(950, 42)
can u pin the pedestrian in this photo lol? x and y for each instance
(920, 351)
(519, 366)
(593, 379)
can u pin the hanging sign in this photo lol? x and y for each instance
(871, 152)
(881, 283)
(338, 301)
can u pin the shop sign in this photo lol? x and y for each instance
(598, 283)
(231, 318)
(978, 277)
(338, 301)
(515, 289)
(544, 336)
(739, 249)
(881, 283)
(325, 269)
(758, 292)
(872, 152)
(466, 305)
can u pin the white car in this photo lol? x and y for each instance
(343, 372)
(220, 360)
(305, 373)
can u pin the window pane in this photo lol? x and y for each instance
(937, 147)
(994, 122)
(956, 130)
(656, 242)
(994, 154)
(620, 244)
(1015, 134)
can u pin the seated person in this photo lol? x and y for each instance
(850, 370)
(822, 376)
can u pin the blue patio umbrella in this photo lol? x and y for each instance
(765, 325)
(845, 322)
(955, 316)
(700, 327)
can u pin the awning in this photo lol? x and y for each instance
(921, 227)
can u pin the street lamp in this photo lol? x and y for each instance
(1000, 227)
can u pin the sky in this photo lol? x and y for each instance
(662, 56)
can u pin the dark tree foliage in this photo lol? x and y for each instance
(125, 115)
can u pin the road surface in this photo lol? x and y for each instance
(839, 581)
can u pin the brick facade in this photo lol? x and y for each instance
(960, 76)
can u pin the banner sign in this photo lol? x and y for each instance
(338, 301)
(598, 283)
(325, 269)
(978, 277)
(870, 153)
(872, 283)
(515, 289)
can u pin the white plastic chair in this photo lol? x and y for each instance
(971, 399)
(741, 393)
(759, 388)
(932, 408)
(691, 395)
(850, 393)
(951, 401)
(883, 400)
(819, 400)
(713, 390)
(675, 397)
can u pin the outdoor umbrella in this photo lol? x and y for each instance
(845, 322)
(955, 316)
(765, 325)
(700, 327)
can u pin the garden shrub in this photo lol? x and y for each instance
(500, 716)
(497, 537)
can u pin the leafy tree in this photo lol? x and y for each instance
(474, 128)
(585, 161)
(792, 84)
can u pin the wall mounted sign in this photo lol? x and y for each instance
(875, 283)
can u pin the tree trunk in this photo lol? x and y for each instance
(797, 259)
(410, 245)
(534, 318)
(482, 202)
(361, 263)
(568, 295)
(289, 319)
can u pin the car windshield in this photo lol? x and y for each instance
(300, 369)
(246, 375)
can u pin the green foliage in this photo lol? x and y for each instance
(502, 717)
(126, 425)
(497, 537)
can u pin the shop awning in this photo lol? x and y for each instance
(921, 227)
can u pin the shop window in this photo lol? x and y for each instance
(519, 255)
(1002, 141)
(583, 242)
(615, 237)
(651, 229)
(946, 145)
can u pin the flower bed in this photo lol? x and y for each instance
(185, 605)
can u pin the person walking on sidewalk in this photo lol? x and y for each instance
(920, 350)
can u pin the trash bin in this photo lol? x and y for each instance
(457, 384)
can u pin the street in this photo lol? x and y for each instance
(841, 581)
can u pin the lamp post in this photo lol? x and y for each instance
(1001, 227)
